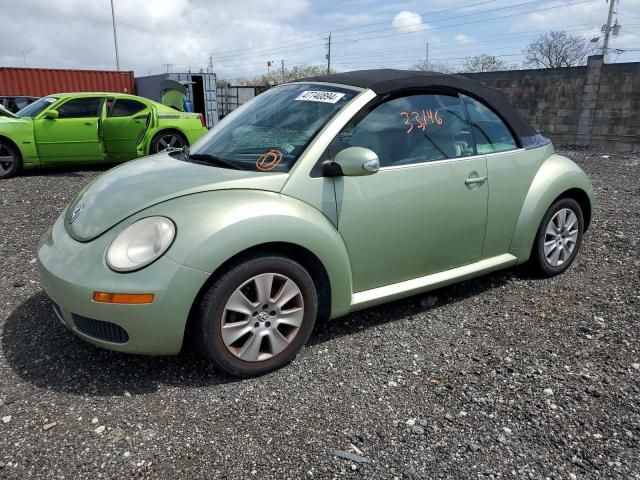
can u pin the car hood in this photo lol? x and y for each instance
(136, 185)
(7, 117)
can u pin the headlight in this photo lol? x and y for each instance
(140, 244)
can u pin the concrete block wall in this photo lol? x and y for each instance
(616, 115)
(596, 105)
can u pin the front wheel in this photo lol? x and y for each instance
(10, 161)
(167, 141)
(558, 239)
(256, 316)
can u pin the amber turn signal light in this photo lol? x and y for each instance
(130, 298)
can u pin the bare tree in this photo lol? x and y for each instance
(483, 63)
(433, 67)
(294, 73)
(558, 49)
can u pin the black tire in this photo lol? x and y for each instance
(9, 169)
(211, 314)
(160, 141)
(538, 262)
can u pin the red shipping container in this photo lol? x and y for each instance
(38, 82)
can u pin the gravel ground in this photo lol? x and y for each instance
(500, 377)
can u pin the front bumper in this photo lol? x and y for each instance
(71, 271)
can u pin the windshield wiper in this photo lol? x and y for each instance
(207, 157)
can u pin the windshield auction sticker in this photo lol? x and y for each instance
(320, 96)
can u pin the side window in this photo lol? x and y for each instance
(412, 129)
(125, 107)
(12, 105)
(490, 132)
(81, 108)
(22, 102)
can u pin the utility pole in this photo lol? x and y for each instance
(115, 35)
(283, 80)
(329, 56)
(166, 67)
(210, 64)
(426, 63)
(24, 56)
(607, 29)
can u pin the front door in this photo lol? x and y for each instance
(425, 211)
(124, 127)
(74, 136)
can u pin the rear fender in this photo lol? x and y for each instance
(556, 176)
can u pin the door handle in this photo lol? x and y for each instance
(88, 124)
(475, 180)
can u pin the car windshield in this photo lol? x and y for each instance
(6, 113)
(36, 107)
(271, 132)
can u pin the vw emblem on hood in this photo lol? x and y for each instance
(76, 213)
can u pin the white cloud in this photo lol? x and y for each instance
(462, 39)
(77, 33)
(407, 21)
(352, 19)
(242, 36)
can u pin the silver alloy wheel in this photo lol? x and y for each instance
(6, 160)
(560, 237)
(262, 317)
(169, 141)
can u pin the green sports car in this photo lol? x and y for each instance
(315, 199)
(85, 128)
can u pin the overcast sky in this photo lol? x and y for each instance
(242, 35)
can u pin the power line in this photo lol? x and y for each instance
(322, 35)
(493, 19)
(372, 62)
(379, 60)
(450, 18)
(469, 45)
(305, 46)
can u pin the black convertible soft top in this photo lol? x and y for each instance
(388, 82)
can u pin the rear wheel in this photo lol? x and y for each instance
(558, 239)
(257, 316)
(10, 161)
(167, 140)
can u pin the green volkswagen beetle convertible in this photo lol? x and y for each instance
(317, 198)
(85, 128)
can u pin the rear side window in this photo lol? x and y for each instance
(412, 129)
(125, 107)
(81, 108)
(490, 132)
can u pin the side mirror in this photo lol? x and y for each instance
(51, 114)
(357, 162)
